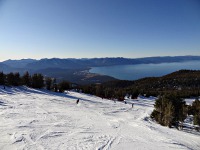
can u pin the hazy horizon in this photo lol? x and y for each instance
(102, 28)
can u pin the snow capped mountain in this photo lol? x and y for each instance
(39, 119)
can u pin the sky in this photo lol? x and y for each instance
(98, 28)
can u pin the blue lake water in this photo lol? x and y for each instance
(134, 72)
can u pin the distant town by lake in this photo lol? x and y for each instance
(134, 72)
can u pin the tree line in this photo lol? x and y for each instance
(185, 83)
(36, 80)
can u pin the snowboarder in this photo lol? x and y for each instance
(132, 105)
(77, 101)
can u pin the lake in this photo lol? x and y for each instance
(134, 72)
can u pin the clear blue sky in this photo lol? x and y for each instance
(98, 28)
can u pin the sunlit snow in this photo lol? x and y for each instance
(39, 119)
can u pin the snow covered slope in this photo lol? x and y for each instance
(38, 119)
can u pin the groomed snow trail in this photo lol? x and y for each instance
(40, 120)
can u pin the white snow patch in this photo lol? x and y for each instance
(189, 101)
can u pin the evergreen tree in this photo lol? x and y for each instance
(17, 79)
(109, 93)
(120, 94)
(135, 94)
(2, 78)
(196, 119)
(99, 91)
(169, 110)
(168, 114)
(26, 79)
(48, 82)
(196, 111)
(10, 79)
(37, 81)
(13, 79)
(62, 86)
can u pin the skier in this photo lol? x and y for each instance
(77, 101)
(132, 105)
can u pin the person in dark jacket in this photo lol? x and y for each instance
(77, 101)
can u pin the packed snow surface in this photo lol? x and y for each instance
(38, 119)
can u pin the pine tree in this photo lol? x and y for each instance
(2, 78)
(48, 82)
(37, 81)
(196, 111)
(26, 79)
(169, 110)
(17, 79)
(135, 94)
(62, 86)
(197, 119)
(120, 94)
(109, 93)
(10, 78)
(168, 114)
(99, 91)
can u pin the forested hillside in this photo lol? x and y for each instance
(186, 83)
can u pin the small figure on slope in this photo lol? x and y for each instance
(77, 101)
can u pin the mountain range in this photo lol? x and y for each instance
(63, 68)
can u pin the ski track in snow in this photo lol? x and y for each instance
(39, 120)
